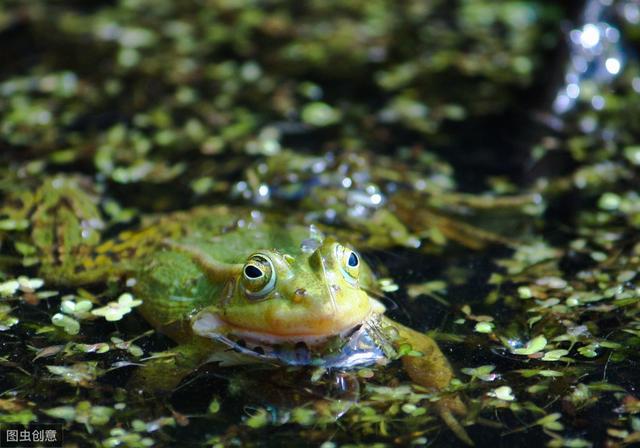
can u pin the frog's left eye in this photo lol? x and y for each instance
(349, 263)
(258, 277)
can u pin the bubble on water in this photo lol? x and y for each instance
(596, 58)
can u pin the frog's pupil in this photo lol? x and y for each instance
(252, 272)
(353, 260)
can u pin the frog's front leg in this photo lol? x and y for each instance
(432, 370)
(164, 373)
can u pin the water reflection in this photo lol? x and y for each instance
(597, 55)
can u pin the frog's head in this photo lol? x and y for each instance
(276, 297)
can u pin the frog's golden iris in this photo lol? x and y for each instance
(259, 277)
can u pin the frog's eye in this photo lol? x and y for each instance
(349, 263)
(258, 277)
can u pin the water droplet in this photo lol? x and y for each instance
(309, 245)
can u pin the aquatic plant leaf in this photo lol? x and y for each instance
(527, 373)
(69, 324)
(79, 309)
(485, 373)
(214, 406)
(9, 288)
(67, 413)
(504, 393)
(22, 417)
(6, 319)
(589, 351)
(115, 311)
(535, 345)
(259, 419)
(551, 422)
(484, 327)
(319, 114)
(554, 355)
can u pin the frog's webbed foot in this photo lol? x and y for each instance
(432, 370)
(214, 270)
(449, 407)
(447, 415)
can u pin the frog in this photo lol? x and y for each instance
(220, 279)
(275, 294)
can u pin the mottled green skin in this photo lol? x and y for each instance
(174, 289)
(173, 286)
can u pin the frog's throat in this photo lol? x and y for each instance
(210, 324)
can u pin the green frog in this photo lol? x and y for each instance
(229, 279)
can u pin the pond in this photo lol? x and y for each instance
(173, 172)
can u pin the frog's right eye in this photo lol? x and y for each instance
(258, 277)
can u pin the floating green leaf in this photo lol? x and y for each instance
(69, 324)
(115, 311)
(504, 393)
(554, 355)
(535, 345)
(484, 327)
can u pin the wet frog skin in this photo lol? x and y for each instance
(271, 284)
(217, 273)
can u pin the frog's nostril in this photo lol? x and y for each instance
(299, 294)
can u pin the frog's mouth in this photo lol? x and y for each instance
(212, 325)
(363, 344)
